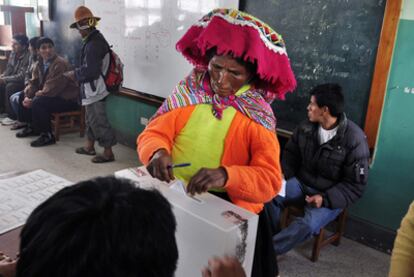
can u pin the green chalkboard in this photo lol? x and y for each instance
(327, 41)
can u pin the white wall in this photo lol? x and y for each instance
(408, 10)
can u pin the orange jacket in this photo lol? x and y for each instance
(251, 155)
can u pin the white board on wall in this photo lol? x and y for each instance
(144, 33)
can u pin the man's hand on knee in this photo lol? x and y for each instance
(314, 200)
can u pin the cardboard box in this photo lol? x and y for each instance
(207, 225)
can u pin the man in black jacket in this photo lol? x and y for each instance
(325, 164)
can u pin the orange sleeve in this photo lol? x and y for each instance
(261, 179)
(160, 133)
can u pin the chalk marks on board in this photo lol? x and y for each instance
(331, 57)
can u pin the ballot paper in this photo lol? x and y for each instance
(207, 225)
(20, 194)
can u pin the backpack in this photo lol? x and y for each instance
(115, 74)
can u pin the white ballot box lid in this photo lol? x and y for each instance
(207, 225)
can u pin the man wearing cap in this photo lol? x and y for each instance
(95, 58)
(12, 79)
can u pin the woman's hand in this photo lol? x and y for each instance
(160, 166)
(206, 179)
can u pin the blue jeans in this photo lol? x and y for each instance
(301, 228)
(14, 101)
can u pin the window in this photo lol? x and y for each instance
(1, 14)
(32, 21)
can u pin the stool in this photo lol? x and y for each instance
(320, 239)
(67, 122)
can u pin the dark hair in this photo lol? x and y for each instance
(44, 40)
(331, 96)
(33, 42)
(21, 39)
(102, 227)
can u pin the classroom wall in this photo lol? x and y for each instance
(128, 117)
(391, 182)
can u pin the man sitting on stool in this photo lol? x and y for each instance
(16, 100)
(48, 92)
(12, 79)
(325, 164)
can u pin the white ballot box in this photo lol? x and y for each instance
(207, 225)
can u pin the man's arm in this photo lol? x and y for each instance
(291, 157)
(55, 81)
(9, 67)
(92, 68)
(19, 76)
(28, 73)
(33, 84)
(352, 185)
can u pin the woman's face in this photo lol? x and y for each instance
(227, 76)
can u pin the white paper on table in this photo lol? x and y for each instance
(21, 194)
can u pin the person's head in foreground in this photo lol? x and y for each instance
(102, 227)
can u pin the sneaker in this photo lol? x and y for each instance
(43, 140)
(8, 121)
(3, 115)
(26, 132)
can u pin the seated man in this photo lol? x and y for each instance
(325, 164)
(48, 92)
(12, 79)
(105, 227)
(16, 100)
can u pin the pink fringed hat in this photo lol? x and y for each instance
(243, 36)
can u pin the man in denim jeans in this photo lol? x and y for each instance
(325, 164)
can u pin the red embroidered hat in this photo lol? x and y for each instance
(244, 36)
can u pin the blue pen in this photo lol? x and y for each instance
(179, 165)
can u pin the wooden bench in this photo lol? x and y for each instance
(321, 239)
(67, 122)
